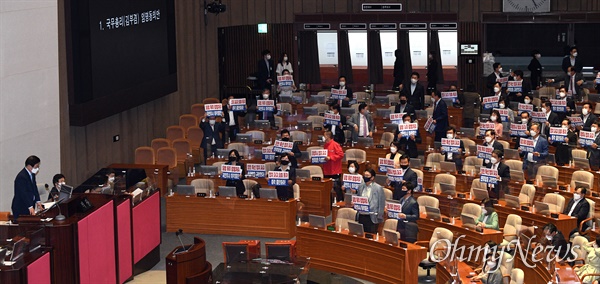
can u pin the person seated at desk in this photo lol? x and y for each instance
(556, 239)
(587, 116)
(353, 169)
(286, 192)
(407, 224)
(361, 123)
(593, 151)
(493, 273)
(409, 174)
(578, 207)
(337, 130)
(374, 192)
(457, 158)
(349, 99)
(394, 154)
(488, 218)
(497, 120)
(532, 161)
(563, 149)
(268, 115)
(408, 144)
(295, 154)
(405, 107)
(502, 104)
(592, 262)
(497, 191)
(57, 180)
(234, 160)
(490, 247)
(27, 197)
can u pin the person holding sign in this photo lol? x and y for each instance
(269, 112)
(337, 130)
(286, 192)
(488, 218)
(408, 174)
(536, 158)
(551, 118)
(457, 158)
(593, 150)
(518, 93)
(502, 104)
(376, 197)
(394, 154)
(405, 107)
(333, 165)
(440, 115)
(490, 140)
(212, 136)
(407, 222)
(353, 169)
(295, 153)
(408, 144)
(562, 95)
(342, 86)
(362, 123)
(564, 148)
(286, 84)
(415, 92)
(497, 90)
(232, 122)
(493, 78)
(503, 177)
(234, 160)
(587, 116)
(497, 120)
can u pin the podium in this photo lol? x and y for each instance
(187, 267)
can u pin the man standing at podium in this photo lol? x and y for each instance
(26, 193)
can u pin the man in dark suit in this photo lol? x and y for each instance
(26, 197)
(532, 161)
(593, 151)
(407, 222)
(587, 116)
(398, 70)
(362, 123)
(490, 140)
(572, 60)
(212, 136)
(409, 175)
(492, 78)
(234, 160)
(525, 88)
(337, 130)
(405, 107)
(503, 174)
(457, 158)
(231, 119)
(342, 85)
(556, 239)
(578, 207)
(408, 144)
(432, 69)
(552, 119)
(295, 154)
(573, 82)
(536, 69)
(415, 92)
(267, 115)
(286, 192)
(265, 72)
(440, 115)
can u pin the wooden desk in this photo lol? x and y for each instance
(359, 257)
(537, 272)
(443, 272)
(161, 176)
(564, 223)
(231, 216)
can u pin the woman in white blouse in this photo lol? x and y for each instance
(284, 64)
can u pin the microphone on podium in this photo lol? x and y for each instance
(178, 234)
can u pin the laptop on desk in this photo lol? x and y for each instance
(468, 221)
(184, 189)
(365, 142)
(433, 213)
(542, 208)
(581, 163)
(480, 194)
(348, 200)
(391, 236)
(268, 193)
(512, 201)
(303, 174)
(511, 154)
(209, 170)
(579, 184)
(356, 228)
(548, 181)
(448, 189)
(227, 191)
(317, 221)
(243, 138)
(448, 167)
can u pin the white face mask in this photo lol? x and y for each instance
(524, 120)
(35, 170)
(593, 129)
(285, 58)
(111, 179)
(491, 265)
(342, 83)
(527, 101)
(265, 96)
(268, 56)
(562, 94)
(500, 70)
(493, 160)
(414, 81)
(493, 118)
(61, 183)
(575, 54)
(584, 111)
(393, 150)
(351, 170)
(450, 136)
(576, 196)
(212, 122)
(532, 133)
(488, 139)
(548, 237)
(538, 56)
(501, 105)
(496, 89)
(565, 126)
(483, 211)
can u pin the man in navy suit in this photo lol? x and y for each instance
(440, 115)
(212, 135)
(593, 151)
(26, 196)
(265, 74)
(532, 161)
(407, 224)
(578, 207)
(415, 92)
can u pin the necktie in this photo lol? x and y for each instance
(364, 126)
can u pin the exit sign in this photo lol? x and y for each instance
(381, 7)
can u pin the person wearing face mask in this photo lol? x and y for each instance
(572, 60)
(333, 162)
(533, 160)
(432, 72)
(405, 107)
(440, 115)
(234, 160)
(212, 139)
(552, 119)
(562, 95)
(457, 158)
(553, 237)
(268, 115)
(26, 196)
(490, 247)
(231, 117)
(592, 262)
(497, 120)
(286, 91)
(264, 73)
(353, 169)
(578, 207)
(525, 88)
(573, 82)
(408, 144)
(490, 140)
(343, 85)
(284, 64)
(527, 100)
(286, 192)
(415, 92)
(497, 90)
(535, 67)
(362, 123)
(497, 191)
(488, 218)
(374, 192)
(593, 151)
(492, 274)
(57, 180)
(407, 224)
(337, 130)
(409, 174)
(502, 104)
(563, 149)
(587, 116)
(493, 78)
(295, 154)
(395, 152)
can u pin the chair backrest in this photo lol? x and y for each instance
(158, 143)
(285, 108)
(578, 243)
(175, 132)
(468, 142)
(278, 121)
(195, 136)
(298, 136)
(248, 184)
(390, 224)
(445, 178)
(477, 184)
(359, 155)
(472, 209)
(315, 171)
(592, 212)
(388, 193)
(182, 148)
(327, 94)
(218, 165)
(343, 216)
(516, 170)
(166, 156)
(578, 153)
(512, 227)
(242, 148)
(433, 160)
(188, 120)
(582, 176)
(321, 108)
(517, 276)
(393, 98)
(269, 166)
(506, 263)
(546, 171)
(440, 234)
(198, 110)
(317, 120)
(256, 134)
(425, 200)
(210, 101)
(360, 96)
(203, 185)
(472, 163)
(556, 202)
(392, 108)
(527, 194)
(386, 139)
(505, 144)
(144, 155)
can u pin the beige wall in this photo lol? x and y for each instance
(29, 116)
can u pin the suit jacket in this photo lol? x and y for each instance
(417, 98)
(526, 88)
(504, 173)
(408, 227)
(263, 73)
(292, 176)
(349, 94)
(567, 79)
(408, 145)
(594, 154)
(496, 145)
(440, 115)
(456, 158)
(587, 124)
(297, 155)
(554, 122)
(376, 202)
(541, 147)
(239, 184)
(581, 211)
(491, 80)
(339, 135)
(355, 120)
(25, 194)
(409, 176)
(567, 62)
(536, 72)
(209, 134)
(236, 116)
(560, 245)
(408, 109)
